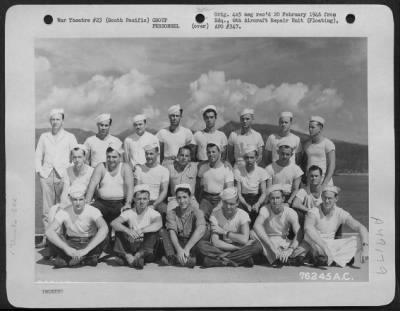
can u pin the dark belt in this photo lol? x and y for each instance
(78, 239)
(112, 201)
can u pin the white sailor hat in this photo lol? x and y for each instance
(214, 142)
(141, 187)
(333, 189)
(286, 114)
(287, 188)
(183, 186)
(286, 142)
(56, 111)
(102, 117)
(77, 190)
(116, 147)
(150, 146)
(174, 109)
(275, 187)
(228, 193)
(246, 111)
(138, 117)
(249, 148)
(317, 119)
(209, 107)
(81, 147)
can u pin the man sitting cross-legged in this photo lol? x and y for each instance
(136, 230)
(230, 244)
(85, 234)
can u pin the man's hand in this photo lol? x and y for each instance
(217, 229)
(181, 256)
(126, 207)
(256, 207)
(284, 254)
(364, 254)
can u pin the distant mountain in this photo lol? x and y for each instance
(350, 157)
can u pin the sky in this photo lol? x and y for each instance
(127, 76)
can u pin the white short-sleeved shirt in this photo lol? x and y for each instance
(213, 178)
(250, 182)
(317, 153)
(283, 174)
(153, 177)
(82, 225)
(307, 199)
(278, 224)
(241, 217)
(136, 221)
(97, 148)
(70, 179)
(328, 225)
(133, 147)
(201, 138)
(173, 141)
(272, 145)
(241, 142)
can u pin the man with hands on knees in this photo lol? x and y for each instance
(85, 235)
(272, 228)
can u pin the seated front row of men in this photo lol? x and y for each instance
(79, 234)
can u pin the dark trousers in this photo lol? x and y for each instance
(239, 256)
(110, 209)
(250, 199)
(146, 246)
(77, 243)
(208, 202)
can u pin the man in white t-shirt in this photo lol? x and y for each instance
(320, 227)
(230, 240)
(156, 177)
(240, 139)
(271, 145)
(133, 144)
(210, 133)
(137, 229)
(97, 144)
(213, 177)
(85, 233)
(283, 171)
(272, 228)
(174, 136)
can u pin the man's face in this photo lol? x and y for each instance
(213, 154)
(329, 199)
(141, 199)
(78, 202)
(183, 157)
(229, 207)
(250, 158)
(103, 127)
(151, 156)
(56, 121)
(276, 199)
(284, 124)
(285, 153)
(209, 118)
(314, 177)
(78, 158)
(183, 199)
(140, 127)
(113, 159)
(246, 120)
(175, 118)
(314, 128)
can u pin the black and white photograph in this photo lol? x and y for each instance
(188, 161)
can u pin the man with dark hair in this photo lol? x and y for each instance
(97, 144)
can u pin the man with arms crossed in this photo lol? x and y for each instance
(137, 229)
(86, 232)
(97, 144)
(52, 158)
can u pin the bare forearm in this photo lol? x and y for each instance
(224, 246)
(153, 227)
(98, 238)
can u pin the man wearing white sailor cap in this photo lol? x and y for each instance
(51, 160)
(85, 235)
(320, 227)
(209, 133)
(97, 144)
(174, 136)
(272, 228)
(244, 136)
(271, 145)
(320, 151)
(230, 240)
(134, 144)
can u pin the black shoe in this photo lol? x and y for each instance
(92, 261)
(164, 261)
(60, 263)
(351, 262)
(191, 262)
(249, 263)
(209, 262)
(138, 263)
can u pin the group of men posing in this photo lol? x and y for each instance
(210, 201)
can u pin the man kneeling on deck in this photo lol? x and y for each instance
(230, 244)
(136, 240)
(272, 226)
(320, 226)
(86, 232)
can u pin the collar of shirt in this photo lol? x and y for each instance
(185, 214)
